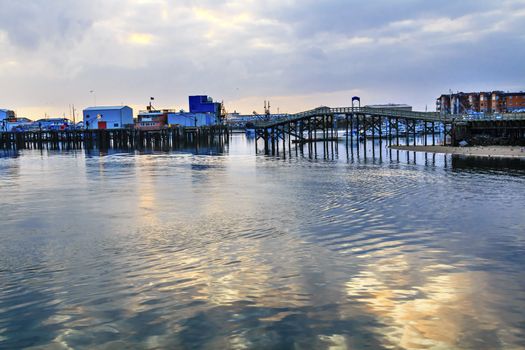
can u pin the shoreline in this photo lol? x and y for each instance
(517, 152)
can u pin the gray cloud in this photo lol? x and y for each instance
(408, 51)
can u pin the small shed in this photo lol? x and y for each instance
(108, 117)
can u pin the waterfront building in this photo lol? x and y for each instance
(473, 102)
(6, 114)
(204, 104)
(443, 104)
(151, 120)
(485, 103)
(515, 102)
(498, 101)
(191, 119)
(108, 117)
(10, 122)
(17, 124)
(481, 102)
(203, 112)
(53, 124)
(159, 119)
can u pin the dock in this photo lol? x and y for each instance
(113, 138)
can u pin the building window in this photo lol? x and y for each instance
(115, 125)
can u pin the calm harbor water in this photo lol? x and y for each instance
(213, 249)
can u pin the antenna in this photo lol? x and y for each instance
(267, 108)
(150, 107)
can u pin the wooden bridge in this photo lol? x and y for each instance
(359, 122)
(371, 123)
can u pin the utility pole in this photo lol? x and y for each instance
(94, 93)
(450, 102)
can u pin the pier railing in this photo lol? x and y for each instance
(388, 113)
(384, 112)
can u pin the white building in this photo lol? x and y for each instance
(110, 117)
(4, 115)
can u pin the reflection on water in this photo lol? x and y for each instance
(345, 249)
(477, 164)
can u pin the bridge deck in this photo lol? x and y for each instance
(381, 112)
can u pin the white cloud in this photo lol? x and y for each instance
(232, 50)
(445, 25)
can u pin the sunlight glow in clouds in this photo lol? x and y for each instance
(244, 52)
(140, 38)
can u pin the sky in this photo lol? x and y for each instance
(299, 54)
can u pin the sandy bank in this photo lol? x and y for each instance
(479, 151)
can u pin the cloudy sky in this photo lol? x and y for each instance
(297, 53)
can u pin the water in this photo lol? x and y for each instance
(377, 250)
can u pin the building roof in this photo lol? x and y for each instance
(51, 120)
(105, 108)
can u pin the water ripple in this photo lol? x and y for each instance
(184, 251)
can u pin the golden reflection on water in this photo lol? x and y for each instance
(202, 246)
(429, 307)
(146, 187)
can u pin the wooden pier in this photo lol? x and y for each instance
(113, 138)
(397, 127)
(358, 123)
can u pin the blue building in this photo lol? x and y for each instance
(204, 104)
(192, 119)
(17, 124)
(54, 123)
(6, 114)
(203, 112)
(111, 117)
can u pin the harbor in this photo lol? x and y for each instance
(396, 127)
(263, 229)
(240, 243)
(238, 175)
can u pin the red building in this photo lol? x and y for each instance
(515, 102)
(485, 102)
(498, 102)
(152, 120)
